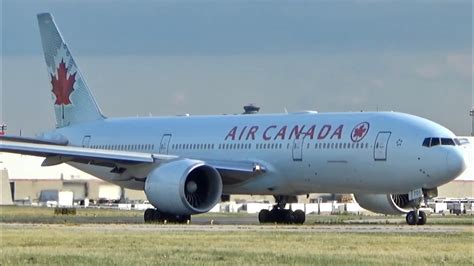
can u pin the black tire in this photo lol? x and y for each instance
(182, 219)
(299, 217)
(412, 218)
(265, 216)
(421, 218)
(287, 216)
(156, 217)
(148, 215)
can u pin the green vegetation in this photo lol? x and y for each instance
(113, 237)
(25, 214)
(114, 244)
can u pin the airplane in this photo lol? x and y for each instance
(389, 161)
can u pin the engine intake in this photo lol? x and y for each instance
(384, 203)
(184, 187)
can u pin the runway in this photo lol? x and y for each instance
(401, 229)
(98, 220)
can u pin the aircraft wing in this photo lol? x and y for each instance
(56, 154)
(231, 171)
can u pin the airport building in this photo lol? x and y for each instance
(25, 181)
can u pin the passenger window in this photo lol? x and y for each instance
(435, 142)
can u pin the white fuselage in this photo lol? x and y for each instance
(302, 153)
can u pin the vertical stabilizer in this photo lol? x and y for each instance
(73, 101)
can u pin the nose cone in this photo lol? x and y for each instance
(456, 164)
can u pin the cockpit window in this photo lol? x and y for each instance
(434, 142)
(461, 142)
(426, 142)
(430, 142)
(447, 142)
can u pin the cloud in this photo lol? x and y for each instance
(378, 83)
(179, 99)
(428, 71)
(460, 63)
(452, 64)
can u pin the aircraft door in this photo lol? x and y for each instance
(86, 141)
(165, 141)
(381, 145)
(297, 149)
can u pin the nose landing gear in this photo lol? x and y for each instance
(416, 217)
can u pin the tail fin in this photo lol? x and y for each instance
(73, 101)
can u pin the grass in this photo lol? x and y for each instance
(63, 244)
(25, 214)
(116, 237)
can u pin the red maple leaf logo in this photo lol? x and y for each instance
(359, 131)
(63, 86)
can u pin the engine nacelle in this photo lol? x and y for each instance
(184, 187)
(384, 203)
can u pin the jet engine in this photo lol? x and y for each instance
(384, 203)
(184, 187)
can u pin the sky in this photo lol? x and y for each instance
(145, 58)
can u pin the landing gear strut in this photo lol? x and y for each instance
(155, 216)
(417, 217)
(281, 215)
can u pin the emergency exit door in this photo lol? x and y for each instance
(165, 141)
(86, 141)
(381, 146)
(297, 149)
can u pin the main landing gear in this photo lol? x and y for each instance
(155, 216)
(280, 215)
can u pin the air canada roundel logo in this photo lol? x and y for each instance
(359, 131)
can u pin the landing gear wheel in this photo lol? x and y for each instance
(280, 215)
(265, 216)
(148, 215)
(412, 218)
(285, 216)
(182, 219)
(421, 218)
(299, 217)
(155, 216)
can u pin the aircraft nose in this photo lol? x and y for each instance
(456, 163)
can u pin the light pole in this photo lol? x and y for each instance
(471, 113)
(3, 129)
